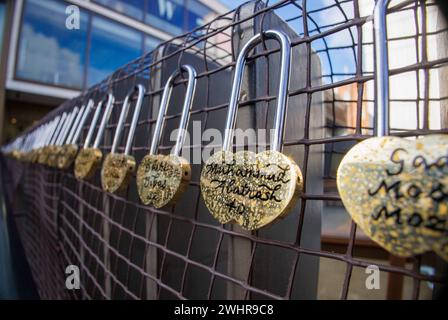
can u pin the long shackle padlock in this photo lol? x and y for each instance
(48, 132)
(89, 158)
(396, 189)
(65, 130)
(70, 149)
(253, 189)
(161, 179)
(43, 154)
(118, 168)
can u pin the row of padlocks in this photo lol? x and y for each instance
(395, 189)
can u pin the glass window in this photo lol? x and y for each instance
(197, 14)
(133, 8)
(151, 43)
(2, 22)
(49, 52)
(167, 15)
(112, 45)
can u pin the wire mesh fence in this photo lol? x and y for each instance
(126, 250)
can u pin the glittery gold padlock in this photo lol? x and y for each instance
(45, 150)
(89, 158)
(161, 179)
(70, 149)
(118, 168)
(55, 150)
(395, 189)
(253, 189)
(40, 138)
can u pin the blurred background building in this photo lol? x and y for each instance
(47, 58)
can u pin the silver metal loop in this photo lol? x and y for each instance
(381, 69)
(65, 126)
(57, 130)
(49, 131)
(123, 115)
(80, 124)
(96, 115)
(185, 116)
(282, 96)
(104, 120)
(74, 123)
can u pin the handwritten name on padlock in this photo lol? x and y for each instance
(253, 189)
(396, 190)
(162, 179)
(250, 189)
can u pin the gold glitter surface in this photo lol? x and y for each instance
(53, 155)
(67, 156)
(251, 189)
(43, 155)
(396, 190)
(86, 163)
(116, 172)
(161, 179)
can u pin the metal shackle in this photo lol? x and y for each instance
(69, 123)
(80, 123)
(66, 126)
(124, 112)
(282, 96)
(74, 126)
(57, 130)
(104, 120)
(50, 131)
(381, 69)
(185, 116)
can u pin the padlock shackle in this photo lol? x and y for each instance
(95, 117)
(66, 126)
(50, 131)
(80, 124)
(74, 125)
(185, 116)
(282, 96)
(381, 69)
(57, 130)
(104, 120)
(124, 112)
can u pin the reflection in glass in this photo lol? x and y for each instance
(197, 14)
(112, 45)
(167, 15)
(133, 8)
(2, 22)
(48, 51)
(150, 43)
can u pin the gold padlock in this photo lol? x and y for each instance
(70, 148)
(55, 150)
(118, 168)
(45, 151)
(395, 189)
(161, 179)
(253, 189)
(48, 133)
(89, 158)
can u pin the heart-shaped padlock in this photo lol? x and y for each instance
(69, 125)
(253, 189)
(48, 130)
(395, 189)
(70, 149)
(89, 158)
(47, 149)
(161, 179)
(118, 168)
